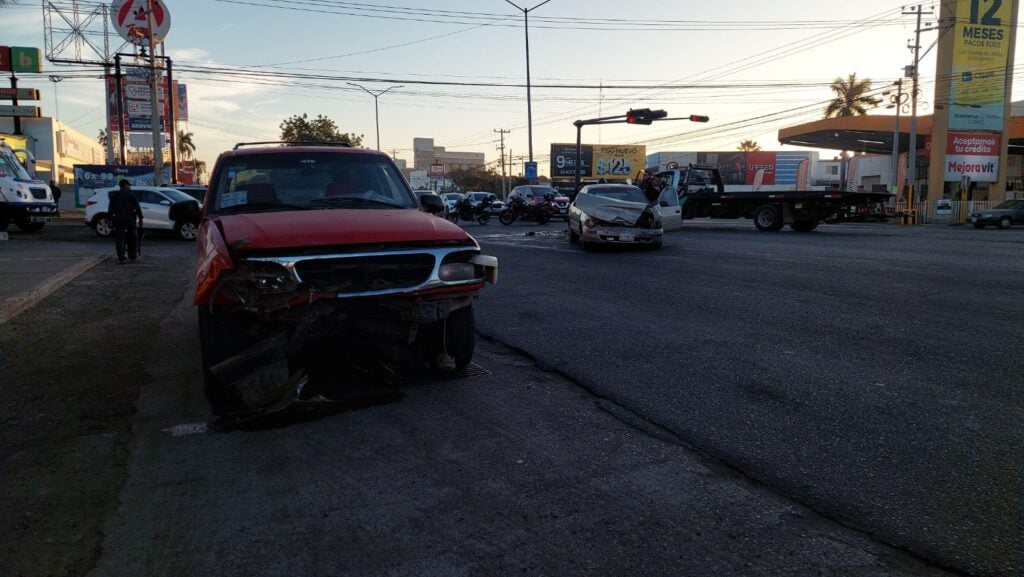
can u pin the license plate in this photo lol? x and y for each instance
(38, 219)
(625, 236)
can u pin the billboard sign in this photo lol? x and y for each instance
(436, 169)
(131, 20)
(90, 177)
(981, 47)
(972, 154)
(600, 161)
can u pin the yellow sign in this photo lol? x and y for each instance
(15, 142)
(618, 161)
(981, 47)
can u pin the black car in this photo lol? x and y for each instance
(1005, 215)
(196, 191)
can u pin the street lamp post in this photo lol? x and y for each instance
(529, 104)
(56, 79)
(376, 112)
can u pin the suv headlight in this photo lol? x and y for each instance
(266, 277)
(456, 271)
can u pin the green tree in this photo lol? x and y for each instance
(103, 137)
(851, 97)
(749, 146)
(183, 142)
(475, 179)
(320, 129)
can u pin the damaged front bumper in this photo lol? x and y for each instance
(379, 303)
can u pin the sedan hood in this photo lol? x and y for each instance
(311, 228)
(611, 211)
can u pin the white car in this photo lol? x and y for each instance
(496, 205)
(450, 198)
(156, 207)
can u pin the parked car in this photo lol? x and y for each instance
(302, 245)
(1005, 215)
(196, 191)
(158, 205)
(613, 214)
(450, 199)
(535, 194)
(496, 205)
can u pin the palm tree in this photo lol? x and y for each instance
(749, 146)
(200, 170)
(186, 148)
(851, 97)
(103, 137)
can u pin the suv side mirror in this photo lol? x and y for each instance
(431, 203)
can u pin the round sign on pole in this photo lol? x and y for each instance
(131, 20)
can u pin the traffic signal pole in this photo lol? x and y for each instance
(639, 116)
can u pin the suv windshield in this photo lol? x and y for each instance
(308, 180)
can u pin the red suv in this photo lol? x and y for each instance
(305, 243)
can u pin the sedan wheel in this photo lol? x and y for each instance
(1005, 222)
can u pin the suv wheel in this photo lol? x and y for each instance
(187, 230)
(103, 225)
(455, 336)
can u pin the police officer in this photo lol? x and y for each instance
(124, 212)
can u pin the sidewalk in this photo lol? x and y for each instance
(32, 267)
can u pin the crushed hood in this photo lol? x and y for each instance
(611, 211)
(311, 228)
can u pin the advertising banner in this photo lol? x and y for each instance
(973, 154)
(137, 105)
(981, 47)
(90, 177)
(599, 161)
(764, 161)
(187, 172)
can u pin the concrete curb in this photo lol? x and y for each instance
(18, 304)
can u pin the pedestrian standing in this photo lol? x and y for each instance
(124, 212)
(55, 190)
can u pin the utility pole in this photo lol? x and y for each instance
(154, 100)
(504, 185)
(912, 155)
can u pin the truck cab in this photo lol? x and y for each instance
(695, 179)
(25, 201)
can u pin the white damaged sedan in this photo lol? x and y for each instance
(614, 214)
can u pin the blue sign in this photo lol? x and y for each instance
(531, 170)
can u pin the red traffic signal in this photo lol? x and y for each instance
(698, 118)
(644, 116)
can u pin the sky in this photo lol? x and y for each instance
(752, 66)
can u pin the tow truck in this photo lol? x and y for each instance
(701, 193)
(25, 201)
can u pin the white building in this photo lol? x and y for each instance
(57, 148)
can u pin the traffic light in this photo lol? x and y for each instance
(644, 116)
(638, 116)
(698, 118)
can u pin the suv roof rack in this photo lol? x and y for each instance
(289, 143)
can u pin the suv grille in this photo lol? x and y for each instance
(38, 193)
(366, 273)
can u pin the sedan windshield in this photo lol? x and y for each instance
(624, 193)
(308, 180)
(1011, 204)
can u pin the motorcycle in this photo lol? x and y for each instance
(519, 210)
(466, 210)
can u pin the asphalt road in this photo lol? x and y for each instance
(513, 470)
(872, 372)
